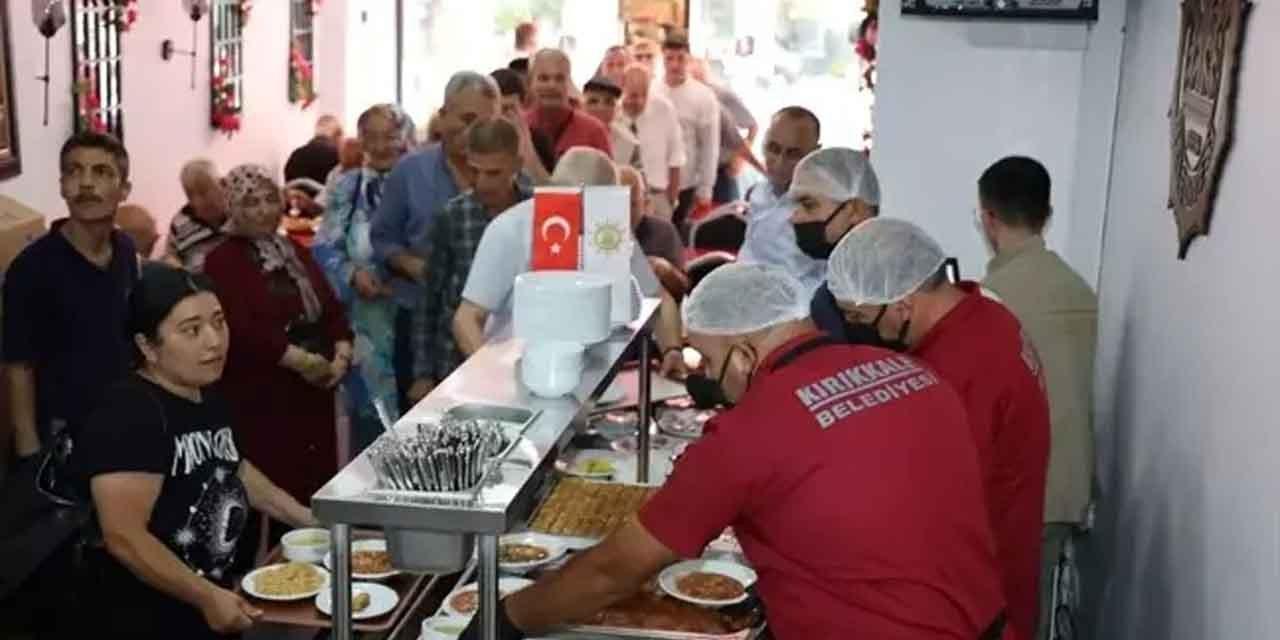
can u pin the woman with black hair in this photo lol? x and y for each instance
(170, 489)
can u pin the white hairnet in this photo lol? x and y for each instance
(738, 299)
(839, 173)
(882, 261)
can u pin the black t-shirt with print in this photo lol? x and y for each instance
(202, 508)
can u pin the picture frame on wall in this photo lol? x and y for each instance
(1021, 9)
(652, 18)
(10, 159)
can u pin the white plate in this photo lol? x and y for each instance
(377, 544)
(247, 583)
(576, 466)
(669, 576)
(382, 600)
(554, 547)
(442, 628)
(506, 587)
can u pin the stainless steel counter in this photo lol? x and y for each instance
(506, 496)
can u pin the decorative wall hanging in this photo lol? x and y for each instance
(302, 88)
(1203, 110)
(1021, 9)
(97, 58)
(652, 18)
(227, 75)
(10, 161)
(126, 14)
(195, 9)
(48, 16)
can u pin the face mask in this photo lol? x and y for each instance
(811, 237)
(707, 393)
(869, 334)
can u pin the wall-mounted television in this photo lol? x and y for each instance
(1023, 9)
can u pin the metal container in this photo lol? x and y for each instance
(429, 551)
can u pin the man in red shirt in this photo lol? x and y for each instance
(887, 274)
(553, 115)
(846, 472)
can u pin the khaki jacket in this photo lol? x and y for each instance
(1059, 311)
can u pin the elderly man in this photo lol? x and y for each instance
(845, 471)
(140, 226)
(1059, 312)
(699, 113)
(414, 194)
(493, 152)
(505, 252)
(656, 236)
(551, 112)
(197, 228)
(792, 135)
(658, 149)
(888, 276)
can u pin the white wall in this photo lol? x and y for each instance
(370, 56)
(1189, 451)
(166, 122)
(954, 96)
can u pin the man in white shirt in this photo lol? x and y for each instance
(699, 112)
(506, 251)
(654, 141)
(771, 239)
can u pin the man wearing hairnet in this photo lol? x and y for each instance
(887, 276)
(845, 471)
(833, 190)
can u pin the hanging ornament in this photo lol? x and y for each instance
(195, 9)
(126, 13)
(48, 16)
(246, 8)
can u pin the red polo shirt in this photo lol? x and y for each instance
(851, 481)
(979, 347)
(580, 130)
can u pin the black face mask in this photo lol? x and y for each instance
(869, 334)
(811, 237)
(707, 393)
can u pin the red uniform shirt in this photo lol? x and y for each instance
(979, 347)
(851, 481)
(580, 130)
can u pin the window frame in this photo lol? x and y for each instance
(97, 58)
(302, 49)
(226, 42)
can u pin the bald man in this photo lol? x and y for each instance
(138, 223)
(197, 228)
(550, 82)
(656, 144)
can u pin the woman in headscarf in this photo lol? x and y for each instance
(170, 483)
(290, 342)
(343, 250)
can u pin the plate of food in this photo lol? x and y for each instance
(684, 422)
(370, 560)
(285, 582)
(464, 602)
(523, 552)
(710, 583)
(592, 463)
(368, 600)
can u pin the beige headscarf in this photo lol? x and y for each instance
(274, 251)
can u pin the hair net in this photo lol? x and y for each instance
(882, 261)
(737, 299)
(838, 173)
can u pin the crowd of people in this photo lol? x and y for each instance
(900, 455)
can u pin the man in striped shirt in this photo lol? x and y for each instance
(197, 228)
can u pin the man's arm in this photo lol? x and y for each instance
(673, 185)
(387, 229)
(21, 386)
(678, 155)
(123, 501)
(468, 327)
(603, 575)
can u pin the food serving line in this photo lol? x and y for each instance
(438, 532)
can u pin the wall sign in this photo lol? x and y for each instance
(1027, 9)
(1203, 110)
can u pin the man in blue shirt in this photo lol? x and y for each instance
(415, 193)
(770, 240)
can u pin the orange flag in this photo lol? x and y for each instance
(557, 229)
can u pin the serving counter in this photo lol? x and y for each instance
(437, 525)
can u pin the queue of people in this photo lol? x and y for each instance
(950, 427)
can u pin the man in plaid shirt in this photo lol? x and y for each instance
(493, 152)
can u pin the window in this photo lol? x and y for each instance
(95, 57)
(302, 52)
(227, 24)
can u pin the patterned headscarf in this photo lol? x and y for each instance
(274, 251)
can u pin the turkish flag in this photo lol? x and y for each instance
(557, 229)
